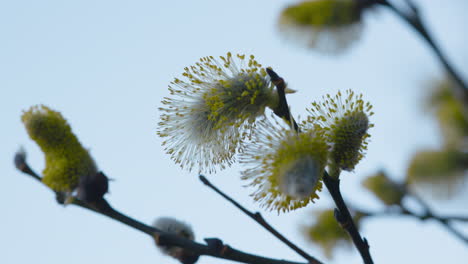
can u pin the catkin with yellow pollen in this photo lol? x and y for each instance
(66, 159)
(345, 119)
(284, 166)
(212, 109)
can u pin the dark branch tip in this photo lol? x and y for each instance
(365, 242)
(20, 159)
(203, 179)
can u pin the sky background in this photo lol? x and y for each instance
(105, 65)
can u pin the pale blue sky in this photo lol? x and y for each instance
(106, 66)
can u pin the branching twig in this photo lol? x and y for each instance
(333, 185)
(414, 19)
(443, 221)
(260, 220)
(405, 212)
(225, 252)
(401, 210)
(283, 109)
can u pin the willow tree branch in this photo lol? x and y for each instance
(283, 109)
(415, 21)
(454, 218)
(257, 217)
(342, 214)
(407, 213)
(221, 250)
(401, 210)
(443, 221)
(345, 219)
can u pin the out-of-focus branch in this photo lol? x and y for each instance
(429, 214)
(342, 214)
(283, 108)
(217, 250)
(399, 210)
(257, 217)
(414, 20)
(454, 218)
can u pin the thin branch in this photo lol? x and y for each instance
(345, 219)
(414, 20)
(405, 212)
(443, 221)
(257, 217)
(283, 109)
(333, 185)
(224, 251)
(401, 210)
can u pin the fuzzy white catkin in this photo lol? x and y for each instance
(301, 178)
(174, 226)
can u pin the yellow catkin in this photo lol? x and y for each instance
(213, 109)
(328, 26)
(279, 161)
(345, 119)
(66, 159)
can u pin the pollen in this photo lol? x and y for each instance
(284, 166)
(66, 159)
(345, 119)
(212, 109)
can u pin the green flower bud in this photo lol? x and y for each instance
(449, 113)
(328, 26)
(345, 120)
(332, 13)
(439, 172)
(66, 159)
(384, 188)
(327, 233)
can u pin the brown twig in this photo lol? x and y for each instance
(401, 210)
(333, 185)
(415, 21)
(104, 208)
(345, 219)
(257, 217)
(283, 109)
(429, 214)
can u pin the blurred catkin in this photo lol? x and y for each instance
(449, 113)
(66, 159)
(327, 233)
(384, 188)
(328, 26)
(442, 172)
